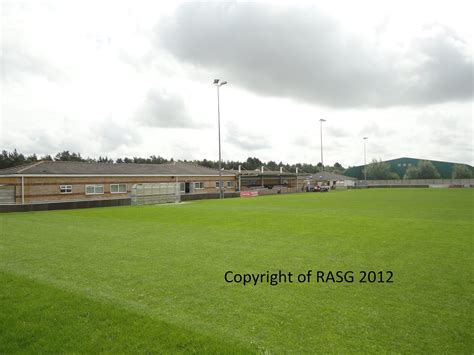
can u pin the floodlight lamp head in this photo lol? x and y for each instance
(216, 81)
(366, 137)
(223, 83)
(322, 120)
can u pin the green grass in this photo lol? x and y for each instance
(151, 278)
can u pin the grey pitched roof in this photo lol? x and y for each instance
(84, 168)
(328, 176)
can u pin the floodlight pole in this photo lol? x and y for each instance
(218, 85)
(365, 159)
(321, 132)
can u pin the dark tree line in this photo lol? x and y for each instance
(10, 159)
(253, 163)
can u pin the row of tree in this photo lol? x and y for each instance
(255, 163)
(376, 170)
(10, 159)
(379, 170)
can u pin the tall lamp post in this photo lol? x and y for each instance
(365, 159)
(321, 131)
(218, 84)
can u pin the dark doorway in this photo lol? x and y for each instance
(186, 187)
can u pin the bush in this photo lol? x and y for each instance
(462, 172)
(424, 170)
(379, 170)
(411, 173)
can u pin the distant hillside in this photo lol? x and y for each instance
(400, 166)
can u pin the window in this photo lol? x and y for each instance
(118, 188)
(230, 184)
(94, 189)
(198, 185)
(217, 184)
(182, 187)
(65, 189)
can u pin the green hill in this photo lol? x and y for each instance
(400, 166)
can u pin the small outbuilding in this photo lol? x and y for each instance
(326, 178)
(266, 179)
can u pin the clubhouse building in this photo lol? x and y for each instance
(67, 181)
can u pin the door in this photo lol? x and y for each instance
(187, 188)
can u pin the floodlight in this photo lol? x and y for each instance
(221, 184)
(321, 120)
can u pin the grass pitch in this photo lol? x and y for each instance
(151, 278)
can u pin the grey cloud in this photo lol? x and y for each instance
(448, 121)
(463, 157)
(435, 119)
(443, 138)
(245, 140)
(304, 141)
(139, 62)
(17, 63)
(34, 140)
(338, 132)
(40, 142)
(19, 59)
(185, 150)
(105, 138)
(378, 150)
(44, 140)
(113, 135)
(306, 55)
(165, 111)
(454, 139)
(446, 72)
(452, 132)
(373, 129)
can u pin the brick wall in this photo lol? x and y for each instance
(46, 189)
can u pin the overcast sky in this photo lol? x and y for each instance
(134, 78)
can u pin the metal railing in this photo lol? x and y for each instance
(416, 182)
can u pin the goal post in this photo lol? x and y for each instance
(155, 193)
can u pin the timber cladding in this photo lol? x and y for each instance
(48, 189)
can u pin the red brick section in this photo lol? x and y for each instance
(44, 189)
